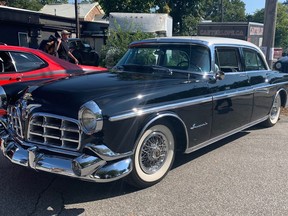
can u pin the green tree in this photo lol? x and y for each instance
(117, 44)
(24, 4)
(233, 10)
(258, 16)
(281, 32)
(185, 13)
(126, 6)
(34, 5)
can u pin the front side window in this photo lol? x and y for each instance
(26, 61)
(253, 61)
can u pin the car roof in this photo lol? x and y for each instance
(19, 48)
(197, 39)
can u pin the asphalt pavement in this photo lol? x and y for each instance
(245, 174)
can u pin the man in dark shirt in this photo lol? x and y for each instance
(63, 48)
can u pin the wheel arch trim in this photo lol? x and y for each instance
(162, 116)
(283, 94)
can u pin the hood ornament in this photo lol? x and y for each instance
(28, 96)
(25, 107)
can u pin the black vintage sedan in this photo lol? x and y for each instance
(165, 95)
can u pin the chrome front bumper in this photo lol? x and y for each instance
(103, 166)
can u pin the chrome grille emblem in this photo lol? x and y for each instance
(23, 109)
(14, 119)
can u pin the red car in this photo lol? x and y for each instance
(26, 64)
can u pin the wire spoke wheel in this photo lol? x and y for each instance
(274, 113)
(153, 152)
(154, 156)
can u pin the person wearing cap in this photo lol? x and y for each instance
(63, 48)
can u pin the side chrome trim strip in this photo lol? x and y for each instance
(233, 94)
(215, 139)
(138, 111)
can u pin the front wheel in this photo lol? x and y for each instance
(274, 112)
(153, 157)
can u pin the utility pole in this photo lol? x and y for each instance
(222, 11)
(269, 29)
(77, 19)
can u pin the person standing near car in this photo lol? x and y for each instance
(63, 47)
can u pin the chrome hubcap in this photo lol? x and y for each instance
(275, 108)
(153, 152)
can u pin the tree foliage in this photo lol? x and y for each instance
(126, 6)
(233, 10)
(117, 44)
(34, 5)
(281, 32)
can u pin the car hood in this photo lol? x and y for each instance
(113, 92)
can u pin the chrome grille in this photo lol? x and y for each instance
(56, 131)
(14, 120)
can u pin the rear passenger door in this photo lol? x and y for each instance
(258, 75)
(232, 96)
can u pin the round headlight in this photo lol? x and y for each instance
(90, 118)
(278, 65)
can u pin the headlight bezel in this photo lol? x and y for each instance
(278, 65)
(3, 98)
(90, 108)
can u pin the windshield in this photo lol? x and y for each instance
(187, 57)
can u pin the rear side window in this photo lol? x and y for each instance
(228, 59)
(253, 60)
(26, 61)
(8, 65)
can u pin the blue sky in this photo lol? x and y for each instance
(253, 5)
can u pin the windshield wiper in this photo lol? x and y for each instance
(170, 71)
(142, 68)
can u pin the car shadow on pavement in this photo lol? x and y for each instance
(40, 193)
(184, 158)
(71, 191)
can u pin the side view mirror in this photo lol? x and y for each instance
(219, 75)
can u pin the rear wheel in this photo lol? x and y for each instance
(274, 112)
(153, 157)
